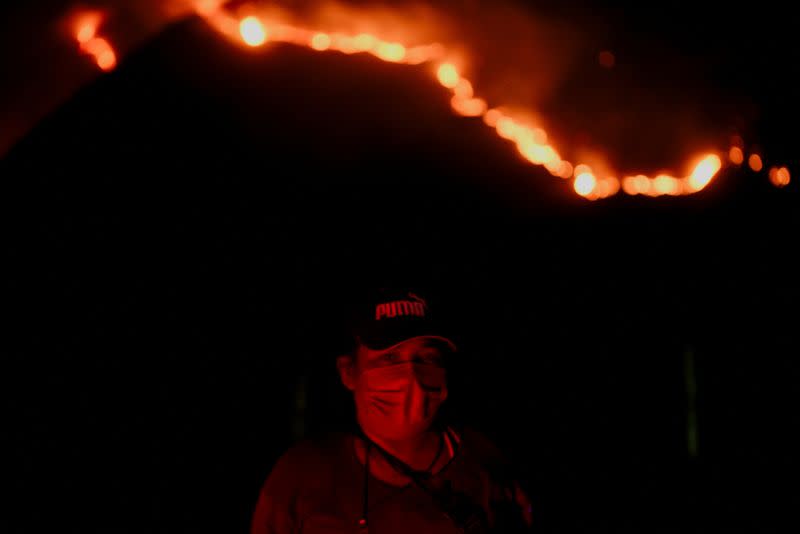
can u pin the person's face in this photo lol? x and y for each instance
(397, 391)
(425, 351)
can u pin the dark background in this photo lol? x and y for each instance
(181, 236)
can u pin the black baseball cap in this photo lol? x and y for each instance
(386, 317)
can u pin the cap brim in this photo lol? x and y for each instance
(449, 343)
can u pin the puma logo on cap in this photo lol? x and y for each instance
(399, 308)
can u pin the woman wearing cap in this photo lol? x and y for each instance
(403, 469)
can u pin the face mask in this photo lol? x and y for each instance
(399, 401)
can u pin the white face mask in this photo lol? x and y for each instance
(399, 401)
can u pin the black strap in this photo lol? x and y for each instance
(466, 516)
(397, 463)
(362, 523)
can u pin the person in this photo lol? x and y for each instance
(403, 468)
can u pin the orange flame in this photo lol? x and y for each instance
(86, 28)
(736, 155)
(755, 163)
(468, 107)
(448, 75)
(779, 176)
(252, 31)
(530, 140)
(321, 41)
(584, 183)
(86, 25)
(364, 42)
(704, 172)
(207, 7)
(394, 52)
(666, 185)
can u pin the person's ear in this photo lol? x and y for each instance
(347, 373)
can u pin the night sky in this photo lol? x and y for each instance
(182, 235)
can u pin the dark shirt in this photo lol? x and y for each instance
(317, 486)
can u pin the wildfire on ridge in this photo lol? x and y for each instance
(592, 180)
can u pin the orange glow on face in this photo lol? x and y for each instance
(779, 177)
(735, 155)
(252, 31)
(755, 163)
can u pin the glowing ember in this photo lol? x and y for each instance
(636, 185)
(85, 33)
(207, 7)
(779, 176)
(666, 185)
(393, 52)
(736, 155)
(491, 117)
(564, 169)
(585, 183)
(107, 60)
(252, 31)
(364, 42)
(463, 89)
(103, 53)
(704, 172)
(755, 163)
(448, 75)
(321, 41)
(468, 107)
(343, 43)
(86, 28)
